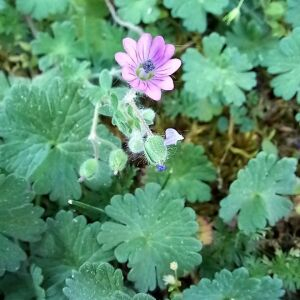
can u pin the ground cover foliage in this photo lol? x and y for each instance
(108, 194)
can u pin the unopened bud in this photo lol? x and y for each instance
(95, 174)
(155, 150)
(136, 143)
(117, 160)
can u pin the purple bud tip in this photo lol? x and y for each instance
(161, 168)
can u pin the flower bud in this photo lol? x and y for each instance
(117, 160)
(155, 150)
(148, 115)
(136, 143)
(95, 174)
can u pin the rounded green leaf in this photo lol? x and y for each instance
(68, 243)
(221, 74)
(19, 220)
(45, 137)
(260, 193)
(188, 171)
(151, 229)
(237, 285)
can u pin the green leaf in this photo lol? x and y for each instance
(190, 105)
(23, 285)
(188, 170)
(67, 244)
(135, 11)
(100, 38)
(97, 282)
(217, 74)
(19, 220)
(236, 285)
(283, 265)
(45, 137)
(285, 62)
(4, 85)
(251, 38)
(259, 194)
(90, 8)
(151, 229)
(41, 9)
(194, 12)
(55, 49)
(293, 12)
(11, 25)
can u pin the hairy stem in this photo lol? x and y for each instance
(31, 26)
(119, 21)
(129, 98)
(93, 138)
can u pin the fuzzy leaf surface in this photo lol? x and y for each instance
(293, 13)
(150, 229)
(259, 195)
(188, 174)
(19, 221)
(136, 11)
(68, 243)
(45, 137)
(62, 44)
(192, 106)
(194, 12)
(236, 285)
(41, 9)
(284, 61)
(220, 74)
(97, 282)
(252, 39)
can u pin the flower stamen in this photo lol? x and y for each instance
(148, 66)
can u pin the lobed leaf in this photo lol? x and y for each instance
(283, 61)
(68, 243)
(151, 229)
(194, 12)
(260, 193)
(220, 74)
(236, 285)
(97, 282)
(45, 137)
(188, 174)
(136, 11)
(41, 9)
(19, 221)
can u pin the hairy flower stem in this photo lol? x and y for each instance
(119, 21)
(129, 99)
(93, 138)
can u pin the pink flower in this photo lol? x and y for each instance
(147, 65)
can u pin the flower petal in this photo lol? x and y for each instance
(130, 46)
(153, 91)
(138, 85)
(169, 67)
(123, 59)
(168, 53)
(128, 74)
(143, 46)
(157, 48)
(165, 83)
(172, 137)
